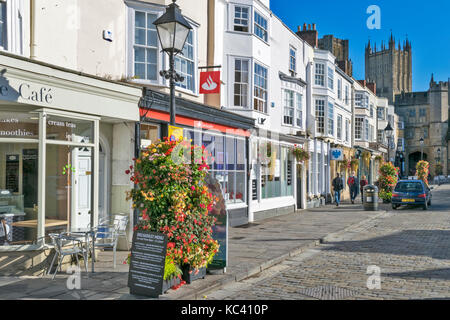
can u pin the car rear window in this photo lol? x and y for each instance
(409, 187)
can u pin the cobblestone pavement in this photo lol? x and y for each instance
(410, 248)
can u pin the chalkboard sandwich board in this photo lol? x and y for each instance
(148, 256)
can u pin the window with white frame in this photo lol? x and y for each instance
(3, 25)
(371, 110)
(320, 74)
(347, 130)
(241, 82)
(372, 133)
(359, 123)
(260, 28)
(145, 46)
(320, 116)
(241, 19)
(381, 136)
(366, 129)
(381, 113)
(359, 97)
(185, 65)
(260, 89)
(330, 78)
(288, 107)
(330, 118)
(299, 112)
(339, 127)
(292, 61)
(347, 98)
(339, 89)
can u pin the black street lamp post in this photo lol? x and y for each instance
(421, 148)
(173, 30)
(389, 131)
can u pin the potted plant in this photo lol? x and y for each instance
(422, 170)
(387, 181)
(172, 198)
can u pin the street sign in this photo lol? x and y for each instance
(148, 257)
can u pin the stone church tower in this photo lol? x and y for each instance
(390, 68)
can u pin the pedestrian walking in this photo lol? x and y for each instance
(353, 185)
(338, 185)
(363, 183)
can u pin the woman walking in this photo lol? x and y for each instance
(363, 183)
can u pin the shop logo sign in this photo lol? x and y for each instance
(337, 154)
(210, 82)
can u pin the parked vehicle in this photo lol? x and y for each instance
(411, 192)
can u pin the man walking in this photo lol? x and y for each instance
(353, 185)
(338, 185)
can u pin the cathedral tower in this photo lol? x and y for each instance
(390, 68)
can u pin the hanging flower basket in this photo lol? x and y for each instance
(354, 164)
(300, 154)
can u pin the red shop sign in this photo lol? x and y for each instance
(210, 82)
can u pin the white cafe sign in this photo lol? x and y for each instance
(27, 92)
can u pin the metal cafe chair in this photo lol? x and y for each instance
(121, 220)
(60, 241)
(107, 236)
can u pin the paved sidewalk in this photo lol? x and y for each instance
(252, 248)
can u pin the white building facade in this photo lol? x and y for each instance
(265, 69)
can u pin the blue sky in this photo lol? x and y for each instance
(427, 24)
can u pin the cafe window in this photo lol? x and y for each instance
(67, 175)
(149, 134)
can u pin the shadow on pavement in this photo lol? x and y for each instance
(443, 274)
(431, 243)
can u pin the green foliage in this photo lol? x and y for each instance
(387, 181)
(422, 170)
(172, 198)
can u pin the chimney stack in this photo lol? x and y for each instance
(310, 35)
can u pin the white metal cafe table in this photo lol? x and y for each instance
(89, 236)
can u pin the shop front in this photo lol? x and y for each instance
(273, 175)
(318, 174)
(341, 157)
(223, 134)
(59, 134)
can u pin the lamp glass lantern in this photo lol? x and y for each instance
(389, 131)
(173, 29)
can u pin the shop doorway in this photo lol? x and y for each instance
(103, 182)
(81, 187)
(299, 186)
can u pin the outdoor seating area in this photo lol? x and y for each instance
(82, 243)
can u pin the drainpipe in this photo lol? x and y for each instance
(33, 15)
